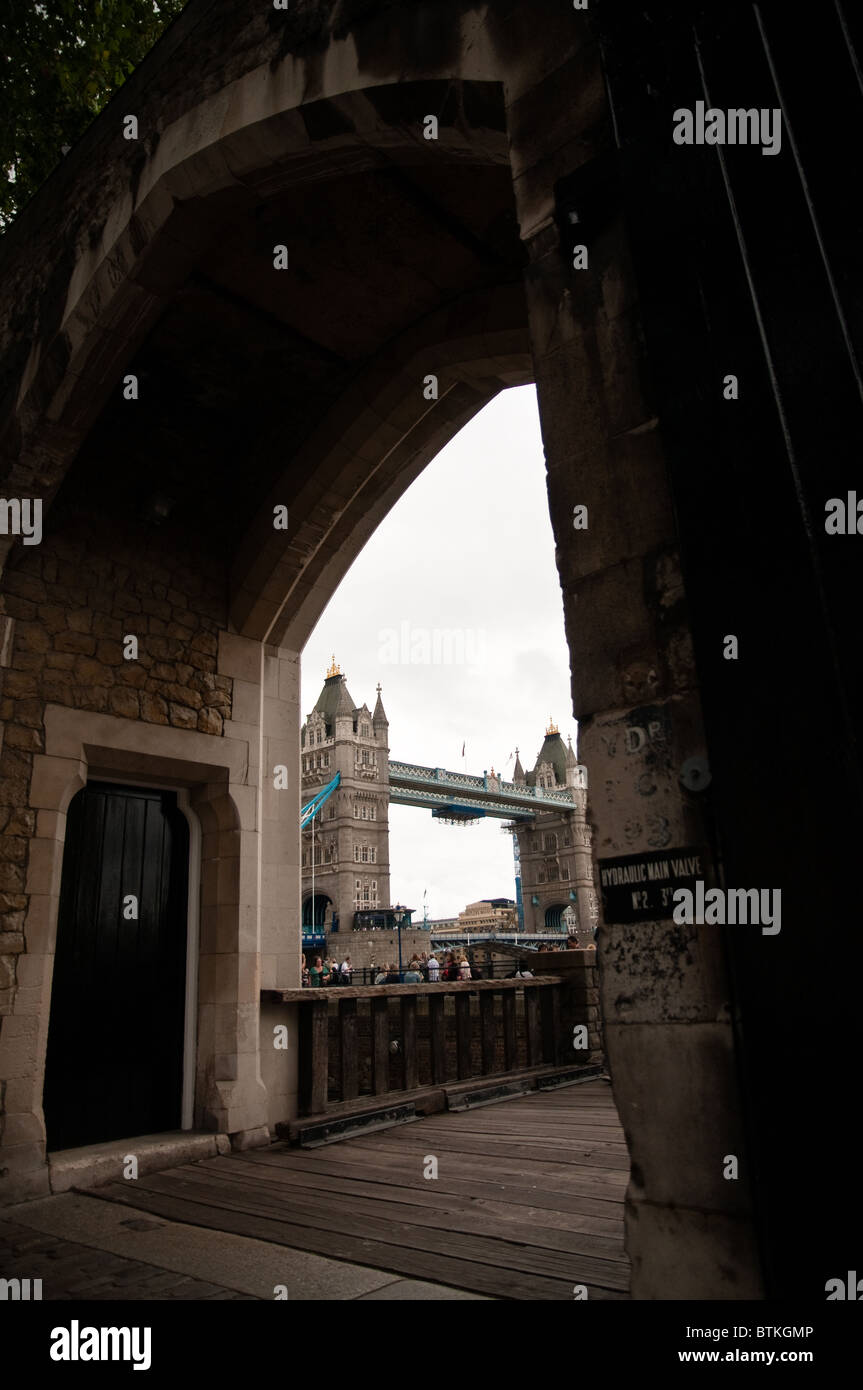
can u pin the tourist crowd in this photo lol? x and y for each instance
(425, 968)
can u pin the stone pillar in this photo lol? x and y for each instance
(580, 1004)
(664, 994)
(281, 929)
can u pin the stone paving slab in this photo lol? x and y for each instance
(69, 1270)
(83, 1248)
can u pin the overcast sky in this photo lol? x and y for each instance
(468, 554)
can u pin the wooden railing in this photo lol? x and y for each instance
(437, 1034)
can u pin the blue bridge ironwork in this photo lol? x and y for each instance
(488, 795)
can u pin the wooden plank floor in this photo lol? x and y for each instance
(528, 1200)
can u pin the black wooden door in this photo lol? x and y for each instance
(114, 1066)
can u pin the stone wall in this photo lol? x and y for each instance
(378, 947)
(66, 607)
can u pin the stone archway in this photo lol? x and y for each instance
(154, 260)
(554, 916)
(175, 275)
(315, 910)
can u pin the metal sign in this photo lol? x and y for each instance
(640, 887)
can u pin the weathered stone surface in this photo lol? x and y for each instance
(124, 702)
(25, 586)
(209, 721)
(19, 685)
(79, 642)
(154, 709)
(109, 653)
(29, 712)
(13, 848)
(107, 627)
(19, 607)
(182, 695)
(31, 637)
(91, 672)
(182, 717)
(28, 661)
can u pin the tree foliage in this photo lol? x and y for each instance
(60, 62)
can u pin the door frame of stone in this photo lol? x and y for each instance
(206, 772)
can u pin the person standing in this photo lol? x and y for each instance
(433, 969)
(316, 974)
(347, 971)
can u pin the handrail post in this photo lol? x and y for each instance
(462, 1035)
(488, 1031)
(314, 1055)
(380, 1045)
(437, 1037)
(348, 1058)
(409, 1041)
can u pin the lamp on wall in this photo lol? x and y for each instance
(400, 913)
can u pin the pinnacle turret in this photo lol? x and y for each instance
(379, 717)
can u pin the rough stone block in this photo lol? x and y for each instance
(154, 709)
(124, 702)
(210, 721)
(183, 718)
(79, 642)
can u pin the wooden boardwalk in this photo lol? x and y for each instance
(528, 1200)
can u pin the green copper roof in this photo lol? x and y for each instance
(553, 751)
(334, 699)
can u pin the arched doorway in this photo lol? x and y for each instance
(315, 911)
(114, 1064)
(554, 916)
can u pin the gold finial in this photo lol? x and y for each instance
(334, 669)
(552, 727)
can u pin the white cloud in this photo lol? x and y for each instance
(468, 551)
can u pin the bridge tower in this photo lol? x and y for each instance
(557, 879)
(351, 833)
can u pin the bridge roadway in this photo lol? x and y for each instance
(488, 795)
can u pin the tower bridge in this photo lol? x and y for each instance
(488, 795)
(349, 782)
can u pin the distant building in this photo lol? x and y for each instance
(345, 851)
(489, 914)
(557, 881)
(349, 838)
